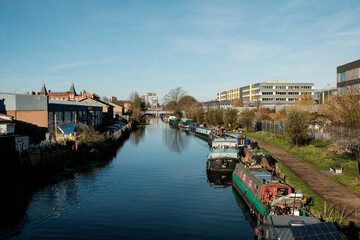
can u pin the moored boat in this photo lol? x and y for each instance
(216, 133)
(264, 193)
(224, 143)
(202, 132)
(222, 159)
(174, 122)
(252, 153)
(241, 140)
(184, 123)
(297, 227)
(193, 126)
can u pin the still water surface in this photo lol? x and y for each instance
(155, 188)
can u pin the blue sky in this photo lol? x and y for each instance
(114, 48)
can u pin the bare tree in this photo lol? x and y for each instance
(172, 101)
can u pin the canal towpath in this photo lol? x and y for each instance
(333, 193)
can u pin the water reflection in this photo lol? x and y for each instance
(19, 208)
(175, 138)
(219, 179)
(252, 219)
(137, 135)
(111, 201)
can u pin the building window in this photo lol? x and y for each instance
(67, 117)
(293, 93)
(280, 87)
(343, 77)
(267, 87)
(292, 99)
(293, 87)
(267, 93)
(280, 93)
(305, 87)
(281, 99)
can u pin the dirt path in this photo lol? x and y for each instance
(329, 190)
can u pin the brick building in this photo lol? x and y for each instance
(41, 112)
(70, 95)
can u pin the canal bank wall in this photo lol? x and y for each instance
(20, 173)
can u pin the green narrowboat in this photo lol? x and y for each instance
(264, 193)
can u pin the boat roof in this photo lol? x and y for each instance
(224, 150)
(285, 220)
(225, 140)
(263, 174)
(258, 174)
(302, 227)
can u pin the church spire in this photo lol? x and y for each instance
(72, 89)
(43, 89)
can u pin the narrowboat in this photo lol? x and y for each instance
(251, 153)
(174, 122)
(241, 140)
(222, 159)
(193, 126)
(218, 132)
(264, 193)
(202, 132)
(224, 143)
(184, 123)
(297, 227)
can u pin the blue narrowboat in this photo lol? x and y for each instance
(203, 132)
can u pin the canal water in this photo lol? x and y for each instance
(156, 187)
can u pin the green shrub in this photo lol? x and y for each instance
(320, 143)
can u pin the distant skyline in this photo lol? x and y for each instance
(114, 48)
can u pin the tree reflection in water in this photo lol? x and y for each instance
(175, 138)
(137, 135)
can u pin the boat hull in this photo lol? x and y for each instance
(201, 135)
(222, 164)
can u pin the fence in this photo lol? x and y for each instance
(332, 134)
(269, 126)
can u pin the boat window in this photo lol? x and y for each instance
(256, 188)
(244, 176)
(250, 183)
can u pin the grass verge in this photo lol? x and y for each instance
(319, 155)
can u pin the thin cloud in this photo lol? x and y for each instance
(78, 64)
(290, 5)
(339, 34)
